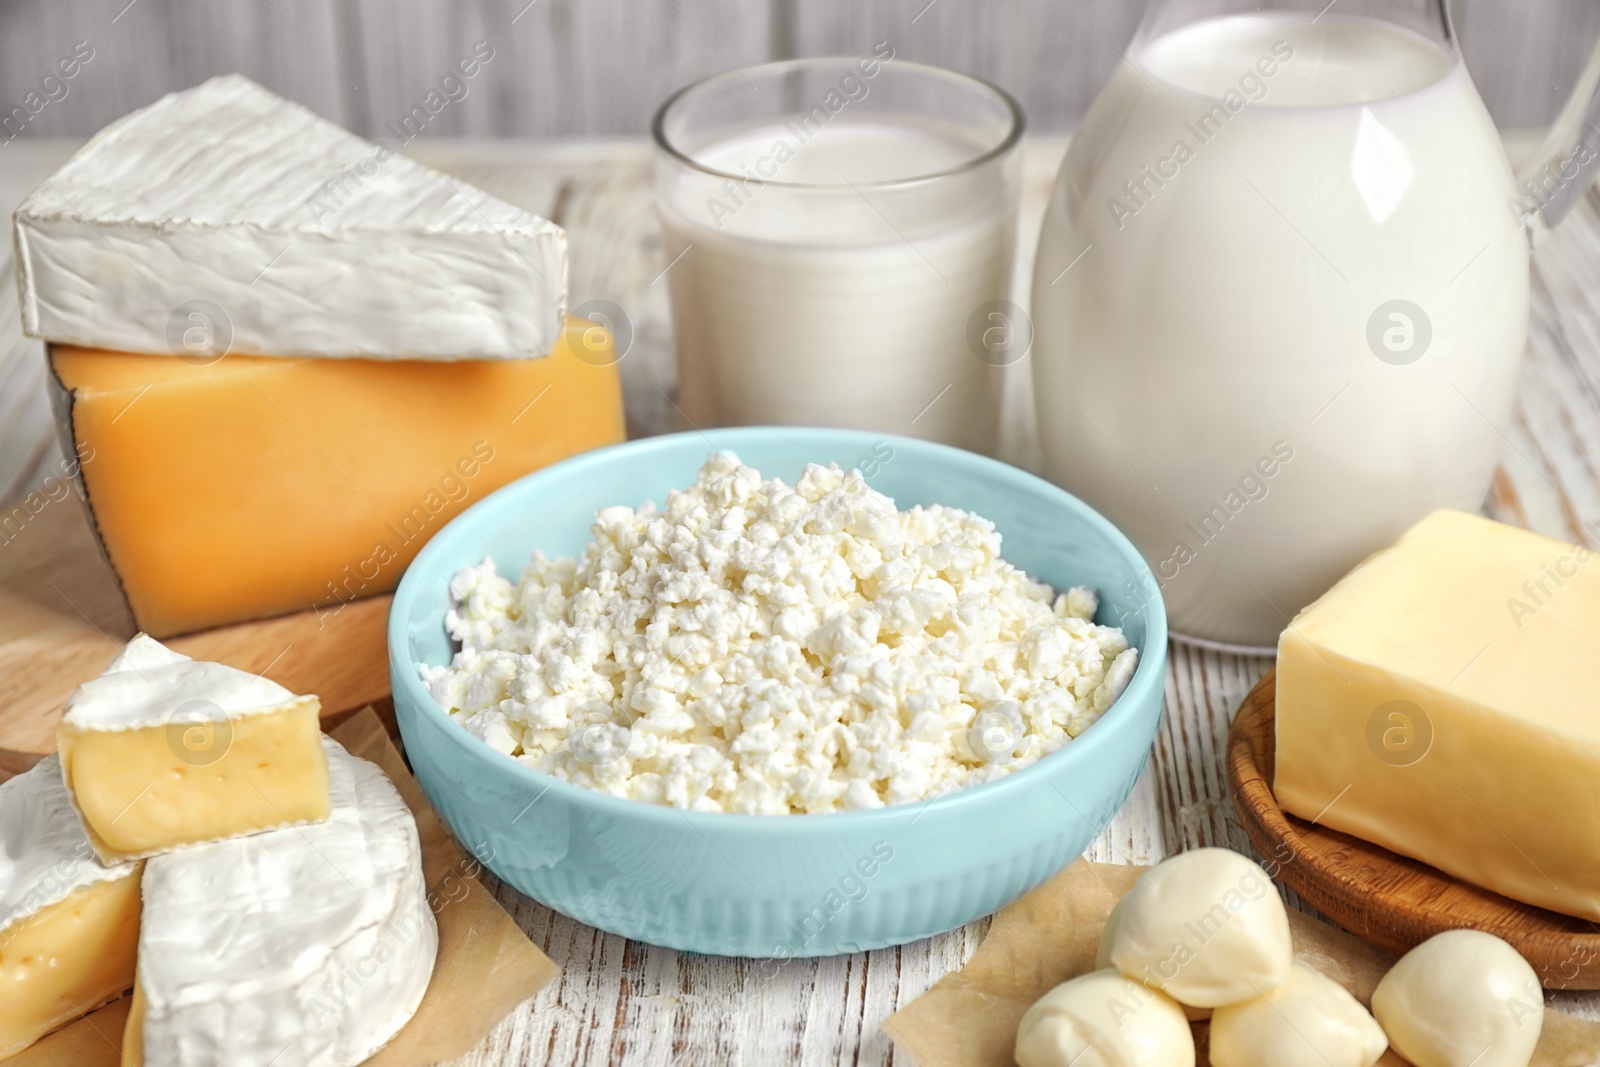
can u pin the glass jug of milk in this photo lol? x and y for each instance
(1281, 295)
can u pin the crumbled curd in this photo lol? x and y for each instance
(752, 647)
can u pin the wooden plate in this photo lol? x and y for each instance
(1377, 895)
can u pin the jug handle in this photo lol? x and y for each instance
(1568, 160)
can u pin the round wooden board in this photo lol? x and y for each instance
(1387, 899)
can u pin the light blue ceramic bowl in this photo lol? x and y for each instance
(775, 887)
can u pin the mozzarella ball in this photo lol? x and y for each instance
(1102, 960)
(1309, 1021)
(1108, 935)
(1102, 1019)
(1461, 997)
(1205, 927)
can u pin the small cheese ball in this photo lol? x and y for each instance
(1205, 927)
(1102, 1019)
(1461, 997)
(1102, 959)
(1309, 1021)
(1108, 935)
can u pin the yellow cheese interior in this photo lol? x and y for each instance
(157, 787)
(67, 959)
(133, 1030)
(1443, 701)
(255, 485)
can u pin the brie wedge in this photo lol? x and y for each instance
(163, 751)
(310, 946)
(224, 218)
(68, 926)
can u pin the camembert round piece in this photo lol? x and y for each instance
(1461, 997)
(1309, 1021)
(311, 945)
(1205, 927)
(1102, 1019)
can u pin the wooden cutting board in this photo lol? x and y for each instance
(1386, 899)
(62, 619)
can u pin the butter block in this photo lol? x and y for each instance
(1443, 701)
(256, 486)
(69, 926)
(162, 751)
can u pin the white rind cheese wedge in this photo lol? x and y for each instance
(310, 946)
(68, 925)
(310, 241)
(162, 751)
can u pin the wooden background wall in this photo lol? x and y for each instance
(599, 67)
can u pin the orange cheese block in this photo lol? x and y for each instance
(255, 486)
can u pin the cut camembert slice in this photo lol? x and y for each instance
(68, 924)
(310, 946)
(162, 751)
(225, 209)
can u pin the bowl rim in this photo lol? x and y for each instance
(1149, 674)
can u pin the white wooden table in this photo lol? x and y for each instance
(620, 1002)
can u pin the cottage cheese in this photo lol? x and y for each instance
(752, 647)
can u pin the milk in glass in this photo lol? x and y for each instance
(840, 292)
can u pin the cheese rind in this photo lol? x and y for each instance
(310, 241)
(255, 487)
(162, 751)
(1440, 702)
(146, 681)
(68, 925)
(311, 946)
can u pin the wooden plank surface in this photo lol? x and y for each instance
(600, 67)
(620, 1002)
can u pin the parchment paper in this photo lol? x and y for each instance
(969, 1017)
(486, 964)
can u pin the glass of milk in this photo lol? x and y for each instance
(839, 238)
(1281, 296)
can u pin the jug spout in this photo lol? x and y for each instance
(1568, 160)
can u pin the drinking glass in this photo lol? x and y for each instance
(839, 243)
